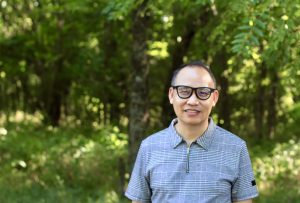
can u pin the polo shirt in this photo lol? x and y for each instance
(214, 168)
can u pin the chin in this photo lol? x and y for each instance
(193, 122)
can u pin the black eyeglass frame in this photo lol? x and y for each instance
(194, 89)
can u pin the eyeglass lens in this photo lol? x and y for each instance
(201, 92)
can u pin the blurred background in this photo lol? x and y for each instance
(82, 82)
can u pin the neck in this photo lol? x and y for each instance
(190, 133)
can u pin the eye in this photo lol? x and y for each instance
(203, 92)
(184, 90)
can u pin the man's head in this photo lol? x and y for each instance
(193, 93)
(198, 64)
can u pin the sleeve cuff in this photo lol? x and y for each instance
(242, 198)
(134, 198)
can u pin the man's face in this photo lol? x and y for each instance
(193, 111)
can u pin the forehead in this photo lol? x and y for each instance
(194, 77)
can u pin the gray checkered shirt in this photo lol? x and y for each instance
(215, 168)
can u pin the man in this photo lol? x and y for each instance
(193, 160)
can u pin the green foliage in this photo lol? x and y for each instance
(293, 122)
(266, 26)
(118, 9)
(62, 52)
(278, 172)
(70, 62)
(60, 164)
(46, 164)
(295, 113)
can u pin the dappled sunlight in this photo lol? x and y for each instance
(281, 164)
(3, 131)
(158, 49)
(88, 147)
(22, 117)
(111, 197)
(75, 74)
(57, 158)
(70, 121)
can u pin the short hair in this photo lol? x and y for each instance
(198, 64)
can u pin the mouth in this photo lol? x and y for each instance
(191, 110)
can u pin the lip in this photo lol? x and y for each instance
(192, 112)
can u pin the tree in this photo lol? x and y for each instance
(138, 107)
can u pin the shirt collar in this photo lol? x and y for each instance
(176, 139)
(204, 140)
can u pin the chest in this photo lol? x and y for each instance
(193, 170)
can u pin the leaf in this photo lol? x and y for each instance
(117, 8)
(260, 24)
(258, 32)
(244, 27)
(76, 5)
(254, 40)
(236, 48)
(237, 41)
(241, 35)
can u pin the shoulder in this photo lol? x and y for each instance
(224, 137)
(157, 138)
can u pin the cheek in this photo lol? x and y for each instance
(177, 104)
(208, 105)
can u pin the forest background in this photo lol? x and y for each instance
(82, 82)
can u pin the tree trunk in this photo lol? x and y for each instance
(177, 55)
(218, 66)
(138, 104)
(121, 173)
(272, 116)
(110, 45)
(56, 86)
(259, 107)
(53, 110)
(58, 78)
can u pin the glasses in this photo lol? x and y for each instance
(185, 92)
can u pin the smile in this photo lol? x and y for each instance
(191, 110)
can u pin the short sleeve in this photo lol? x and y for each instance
(245, 186)
(138, 188)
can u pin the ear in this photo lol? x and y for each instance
(171, 92)
(215, 97)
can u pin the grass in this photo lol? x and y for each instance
(45, 164)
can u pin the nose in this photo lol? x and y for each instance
(193, 100)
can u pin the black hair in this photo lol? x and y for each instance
(199, 64)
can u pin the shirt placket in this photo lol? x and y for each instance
(188, 158)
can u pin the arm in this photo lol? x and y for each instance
(244, 201)
(244, 188)
(138, 189)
